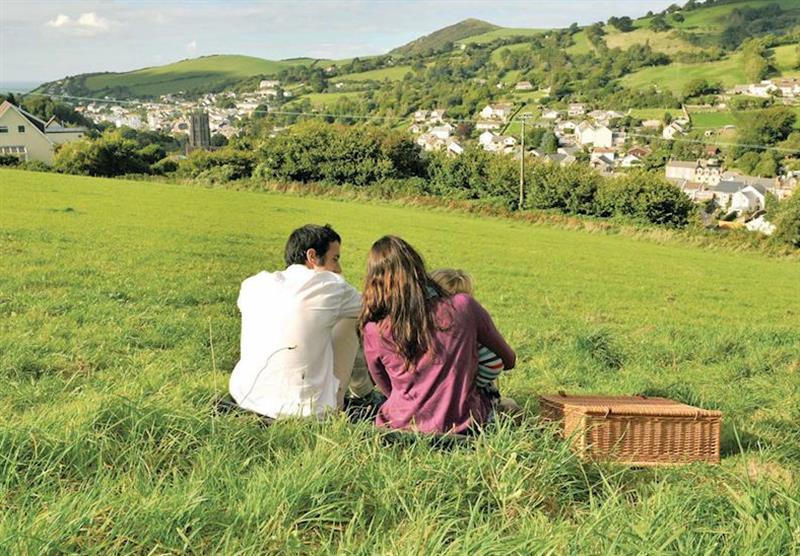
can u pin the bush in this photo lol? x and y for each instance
(645, 196)
(164, 166)
(238, 164)
(9, 160)
(109, 155)
(787, 222)
(359, 155)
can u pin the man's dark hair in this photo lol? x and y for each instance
(308, 237)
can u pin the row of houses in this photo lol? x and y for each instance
(785, 87)
(705, 180)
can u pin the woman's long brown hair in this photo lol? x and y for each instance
(398, 291)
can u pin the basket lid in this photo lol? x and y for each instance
(627, 405)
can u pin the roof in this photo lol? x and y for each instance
(728, 186)
(681, 164)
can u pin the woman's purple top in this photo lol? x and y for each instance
(439, 395)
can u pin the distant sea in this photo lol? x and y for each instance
(18, 86)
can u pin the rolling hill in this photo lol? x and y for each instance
(693, 34)
(450, 34)
(205, 73)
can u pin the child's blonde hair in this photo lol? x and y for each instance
(453, 281)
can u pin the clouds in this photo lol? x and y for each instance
(87, 24)
(191, 47)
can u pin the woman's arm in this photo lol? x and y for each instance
(372, 342)
(489, 336)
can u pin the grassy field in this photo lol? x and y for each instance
(668, 43)
(320, 100)
(582, 44)
(786, 58)
(504, 33)
(655, 113)
(674, 77)
(119, 327)
(395, 73)
(189, 74)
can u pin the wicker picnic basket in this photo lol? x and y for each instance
(635, 430)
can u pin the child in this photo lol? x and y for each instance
(454, 281)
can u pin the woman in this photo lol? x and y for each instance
(421, 346)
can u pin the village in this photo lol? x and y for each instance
(607, 140)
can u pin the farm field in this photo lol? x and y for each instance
(320, 100)
(786, 59)
(668, 43)
(655, 113)
(582, 44)
(395, 73)
(674, 77)
(502, 33)
(119, 327)
(189, 74)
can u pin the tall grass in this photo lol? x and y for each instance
(118, 328)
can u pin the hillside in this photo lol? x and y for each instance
(120, 329)
(450, 34)
(703, 41)
(198, 74)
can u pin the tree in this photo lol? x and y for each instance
(678, 17)
(787, 222)
(659, 24)
(754, 56)
(109, 155)
(623, 24)
(699, 87)
(764, 128)
(767, 166)
(797, 54)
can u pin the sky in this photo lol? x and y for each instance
(45, 40)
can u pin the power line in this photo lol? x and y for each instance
(404, 118)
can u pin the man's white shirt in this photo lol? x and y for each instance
(286, 365)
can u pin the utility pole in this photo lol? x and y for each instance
(521, 166)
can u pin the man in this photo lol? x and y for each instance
(299, 340)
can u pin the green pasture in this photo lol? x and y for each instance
(496, 56)
(674, 77)
(582, 44)
(320, 100)
(189, 74)
(668, 42)
(785, 59)
(119, 327)
(655, 113)
(502, 33)
(395, 73)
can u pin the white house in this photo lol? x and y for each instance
(486, 138)
(437, 116)
(749, 198)
(420, 115)
(551, 115)
(588, 134)
(24, 135)
(454, 147)
(607, 153)
(576, 109)
(673, 130)
(496, 111)
(442, 131)
(524, 86)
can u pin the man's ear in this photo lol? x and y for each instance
(311, 257)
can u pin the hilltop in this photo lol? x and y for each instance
(207, 73)
(699, 36)
(445, 36)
